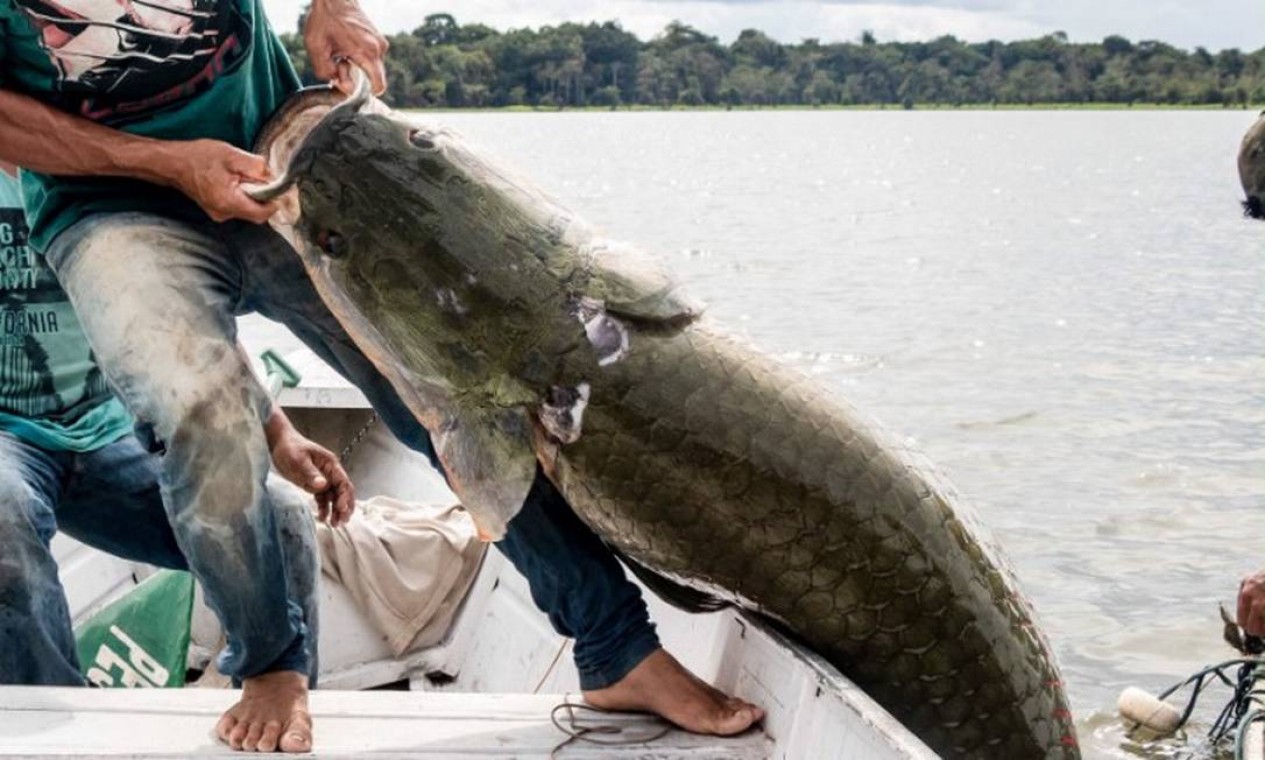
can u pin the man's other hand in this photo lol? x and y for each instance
(1252, 604)
(336, 31)
(316, 470)
(212, 174)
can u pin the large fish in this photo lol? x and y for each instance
(519, 336)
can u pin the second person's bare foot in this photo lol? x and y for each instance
(271, 715)
(662, 685)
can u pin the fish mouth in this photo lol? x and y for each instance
(285, 135)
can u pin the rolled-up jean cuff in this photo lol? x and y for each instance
(632, 651)
(295, 658)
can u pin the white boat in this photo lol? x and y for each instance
(486, 688)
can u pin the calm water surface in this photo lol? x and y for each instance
(1065, 310)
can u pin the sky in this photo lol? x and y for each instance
(1213, 24)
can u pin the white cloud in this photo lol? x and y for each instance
(1214, 24)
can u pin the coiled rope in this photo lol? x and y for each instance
(1245, 707)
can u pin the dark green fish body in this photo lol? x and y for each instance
(521, 338)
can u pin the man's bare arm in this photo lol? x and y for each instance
(41, 138)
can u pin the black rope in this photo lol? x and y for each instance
(1240, 711)
(1199, 680)
(652, 728)
(1233, 712)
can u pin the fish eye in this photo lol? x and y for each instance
(420, 140)
(331, 244)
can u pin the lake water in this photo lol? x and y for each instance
(1064, 309)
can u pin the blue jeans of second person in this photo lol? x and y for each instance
(109, 498)
(157, 298)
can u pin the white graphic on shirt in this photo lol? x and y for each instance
(122, 59)
(103, 36)
(46, 365)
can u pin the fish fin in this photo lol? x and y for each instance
(631, 284)
(676, 594)
(491, 464)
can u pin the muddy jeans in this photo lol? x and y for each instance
(110, 498)
(157, 299)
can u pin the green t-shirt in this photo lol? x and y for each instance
(173, 70)
(52, 393)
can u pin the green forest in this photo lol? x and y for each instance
(446, 64)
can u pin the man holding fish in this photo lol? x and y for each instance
(72, 463)
(132, 120)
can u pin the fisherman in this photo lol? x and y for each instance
(132, 120)
(72, 462)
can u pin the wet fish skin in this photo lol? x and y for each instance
(697, 456)
(819, 520)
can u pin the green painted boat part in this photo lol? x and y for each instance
(278, 372)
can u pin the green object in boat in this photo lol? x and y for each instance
(141, 640)
(279, 372)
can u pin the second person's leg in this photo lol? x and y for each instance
(37, 647)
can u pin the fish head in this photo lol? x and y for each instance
(444, 274)
(394, 181)
(424, 250)
(353, 200)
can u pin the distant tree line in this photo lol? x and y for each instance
(445, 64)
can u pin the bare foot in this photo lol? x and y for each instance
(661, 685)
(271, 715)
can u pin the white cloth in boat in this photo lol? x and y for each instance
(408, 566)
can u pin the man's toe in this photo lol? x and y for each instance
(225, 727)
(271, 735)
(238, 734)
(737, 703)
(734, 720)
(296, 741)
(298, 734)
(251, 742)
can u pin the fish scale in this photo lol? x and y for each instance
(706, 463)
